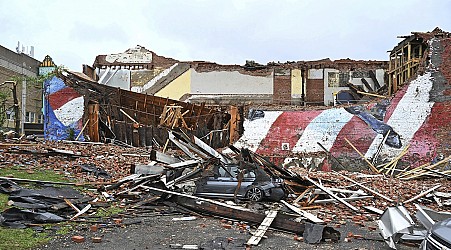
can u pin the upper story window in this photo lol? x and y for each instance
(10, 115)
(30, 117)
(41, 118)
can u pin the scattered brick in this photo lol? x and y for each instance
(96, 239)
(78, 238)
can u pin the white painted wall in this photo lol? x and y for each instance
(315, 74)
(230, 82)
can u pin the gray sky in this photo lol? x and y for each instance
(226, 32)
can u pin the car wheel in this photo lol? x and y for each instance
(255, 194)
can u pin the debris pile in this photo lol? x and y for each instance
(191, 178)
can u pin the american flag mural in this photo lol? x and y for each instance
(63, 109)
(409, 113)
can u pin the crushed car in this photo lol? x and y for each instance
(438, 236)
(240, 181)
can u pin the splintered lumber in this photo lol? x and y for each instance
(84, 210)
(128, 116)
(366, 188)
(371, 94)
(172, 115)
(393, 162)
(303, 194)
(331, 194)
(72, 205)
(64, 204)
(422, 194)
(363, 157)
(418, 169)
(306, 214)
(261, 230)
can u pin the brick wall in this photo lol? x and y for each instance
(282, 87)
(314, 90)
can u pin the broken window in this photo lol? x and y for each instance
(338, 79)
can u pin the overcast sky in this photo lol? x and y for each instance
(227, 32)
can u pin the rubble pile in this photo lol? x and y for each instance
(192, 178)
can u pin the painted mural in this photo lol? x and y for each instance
(63, 109)
(409, 117)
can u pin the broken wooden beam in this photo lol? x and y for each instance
(64, 204)
(422, 194)
(283, 221)
(367, 85)
(371, 94)
(373, 77)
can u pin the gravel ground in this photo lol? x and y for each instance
(161, 232)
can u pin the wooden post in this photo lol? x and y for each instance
(93, 113)
(233, 124)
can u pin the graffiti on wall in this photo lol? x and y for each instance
(63, 109)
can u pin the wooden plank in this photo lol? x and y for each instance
(306, 214)
(422, 194)
(302, 194)
(371, 94)
(81, 131)
(423, 166)
(68, 202)
(261, 230)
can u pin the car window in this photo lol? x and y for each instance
(250, 174)
(222, 172)
(228, 171)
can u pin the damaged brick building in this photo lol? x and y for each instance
(388, 99)
(299, 83)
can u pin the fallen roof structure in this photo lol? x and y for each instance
(134, 118)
